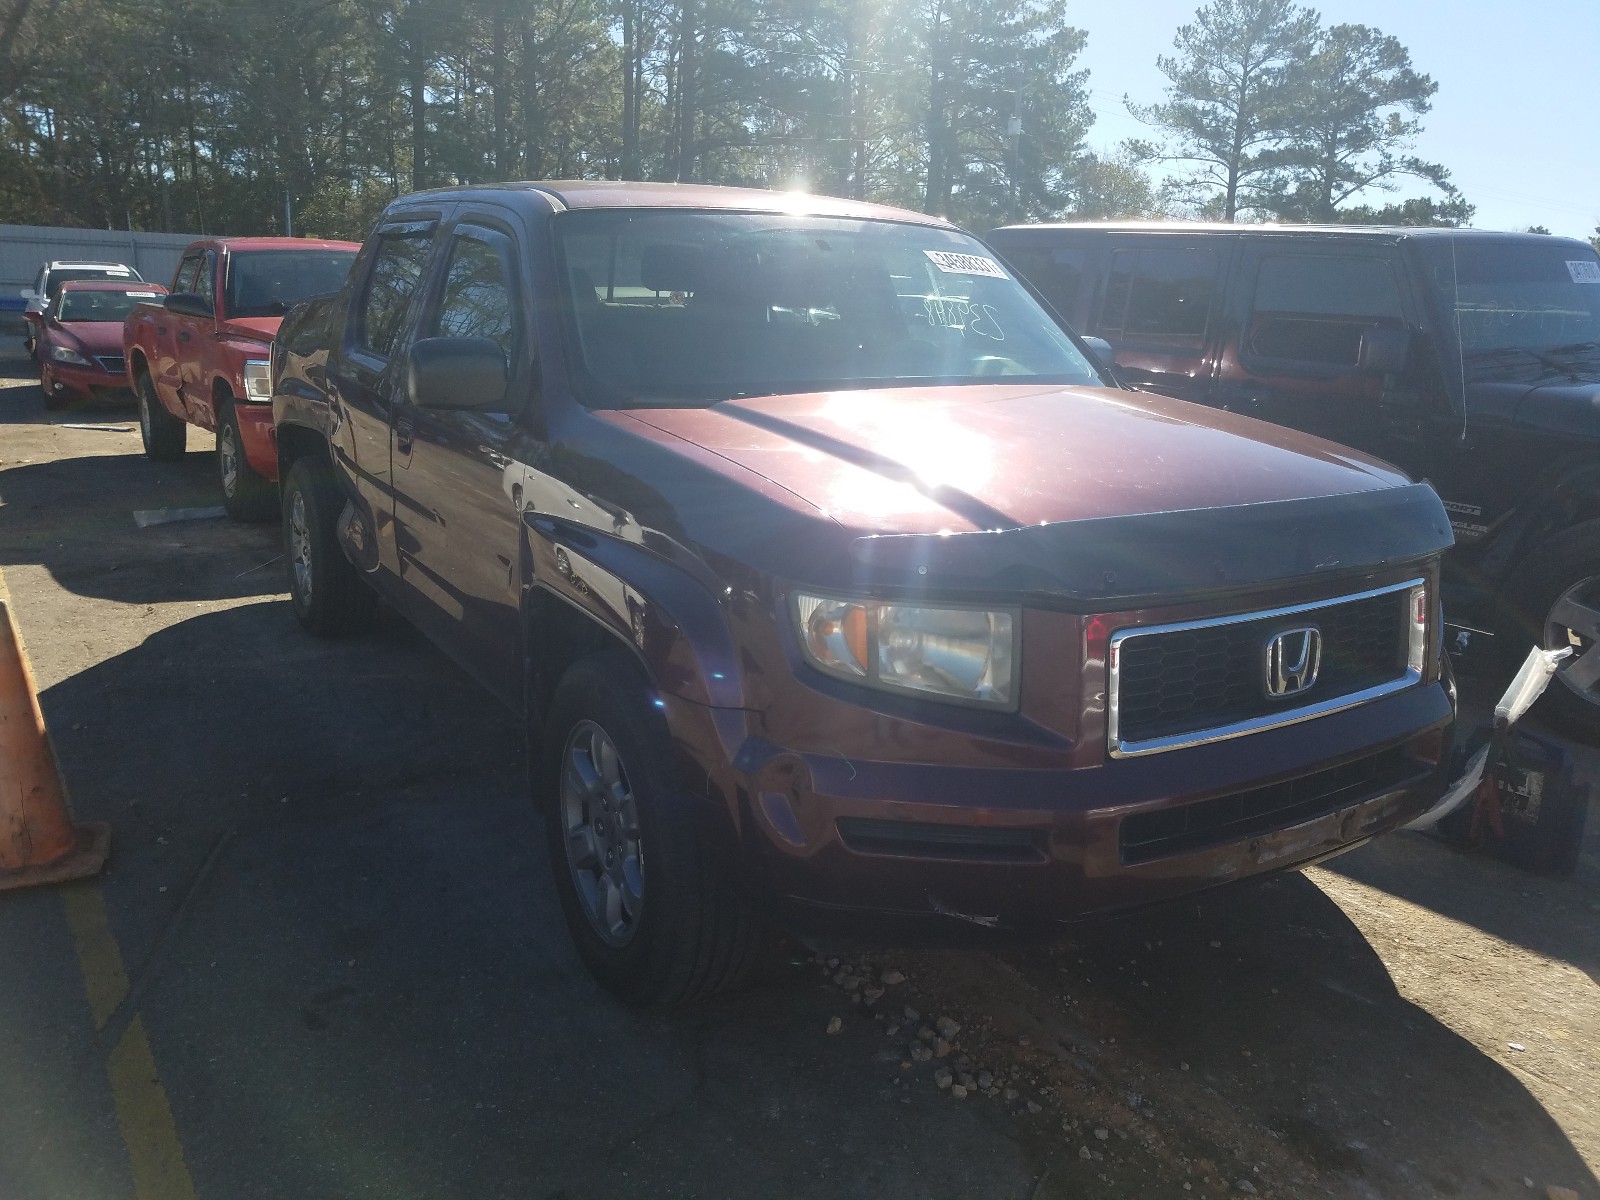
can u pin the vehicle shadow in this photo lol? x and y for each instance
(334, 898)
(353, 966)
(74, 515)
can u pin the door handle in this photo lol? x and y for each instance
(404, 431)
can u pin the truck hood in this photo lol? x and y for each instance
(256, 329)
(938, 461)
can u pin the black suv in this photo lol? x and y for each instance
(1469, 358)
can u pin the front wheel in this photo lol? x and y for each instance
(246, 493)
(164, 435)
(652, 914)
(329, 596)
(1557, 588)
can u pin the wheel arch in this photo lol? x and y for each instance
(1567, 497)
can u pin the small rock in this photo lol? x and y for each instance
(1012, 1094)
(1033, 1106)
(967, 1081)
(947, 1028)
(920, 1053)
(1083, 1153)
(963, 1062)
(849, 982)
(1517, 1046)
(1024, 1040)
(912, 1014)
(985, 1080)
(1552, 1192)
(942, 1077)
(1103, 1134)
(925, 1034)
(1183, 1066)
(959, 1092)
(872, 995)
(1245, 1186)
(835, 1024)
(833, 964)
(892, 1028)
(941, 1048)
(890, 978)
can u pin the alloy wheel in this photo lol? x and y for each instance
(601, 821)
(300, 546)
(228, 458)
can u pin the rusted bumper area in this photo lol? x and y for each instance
(834, 842)
(255, 431)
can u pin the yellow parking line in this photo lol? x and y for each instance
(145, 1119)
(144, 1115)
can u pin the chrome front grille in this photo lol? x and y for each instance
(1201, 681)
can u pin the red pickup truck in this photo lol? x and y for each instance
(199, 355)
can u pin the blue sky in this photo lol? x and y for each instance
(1514, 119)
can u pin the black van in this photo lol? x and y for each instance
(1469, 358)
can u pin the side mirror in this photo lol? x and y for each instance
(457, 374)
(1384, 351)
(186, 304)
(1104, 355)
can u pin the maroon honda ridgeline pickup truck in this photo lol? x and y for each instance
(834, 582)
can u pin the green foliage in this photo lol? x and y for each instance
(207, 114)
(1284, 118)
(1234, 90)
(1449, 213)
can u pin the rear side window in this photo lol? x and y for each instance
(396, 269)
(1314, 309)
(183, 281)
(477, 295)
(1159, 296)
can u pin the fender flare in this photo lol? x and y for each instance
(1569, 495)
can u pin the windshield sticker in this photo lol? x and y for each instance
(966, 264)
(1583, 270)
(963, 316)
(142, 295)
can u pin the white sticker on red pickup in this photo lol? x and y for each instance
(1583, 270)
(965, 264)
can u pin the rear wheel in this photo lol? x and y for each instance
(246, 493)
(652, 914)
(329, 596)
(164, 435)
(1557, 588)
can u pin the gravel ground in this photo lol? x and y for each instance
(331, 905)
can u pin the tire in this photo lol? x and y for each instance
(329, 596)
(164, 435)
(689, 934)
(246, 493)
(1553, 588)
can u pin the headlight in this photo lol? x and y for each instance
(66, 354)
(257, 380)
(961, 654)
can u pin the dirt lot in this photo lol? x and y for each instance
(326, 960)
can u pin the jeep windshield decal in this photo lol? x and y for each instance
(690, 308)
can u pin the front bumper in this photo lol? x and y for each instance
(832, 842)
(63, 381)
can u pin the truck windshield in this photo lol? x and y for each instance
(100, 306)
(1519, 295)
(689, 308)
(268, 283)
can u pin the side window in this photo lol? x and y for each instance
(396, 269)
(1056, 271)
(183, 281)
(1313, 309)
(477, 295)
(1161, 296)
(205, 282)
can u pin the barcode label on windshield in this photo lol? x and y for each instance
(965, 264)
(1583, 270)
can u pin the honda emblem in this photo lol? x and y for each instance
(1293, 658)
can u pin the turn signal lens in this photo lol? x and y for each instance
(1418, 646)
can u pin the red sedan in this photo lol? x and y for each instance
(80, 340)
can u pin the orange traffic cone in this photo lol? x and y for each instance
(38, 841)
